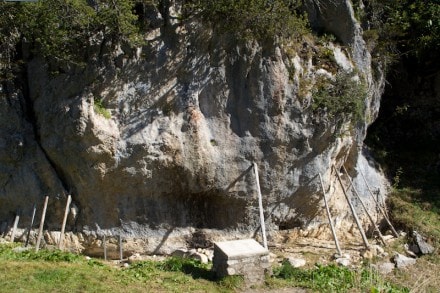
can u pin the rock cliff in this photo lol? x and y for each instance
(157, 142)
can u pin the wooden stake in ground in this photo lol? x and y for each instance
(40, 231)
(365, 207)
(63, 226)
(14, 227)
(34, 209)
(120, 248)
(330, 217)
(260, 206)
(105, 248)
(384, 214)
(353, 211)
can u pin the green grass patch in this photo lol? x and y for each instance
(411, 211)
(57, 271)
(332, 278)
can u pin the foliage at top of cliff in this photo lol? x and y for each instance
(63, 29)
(259, 19)
(71, 30)
(403, 27)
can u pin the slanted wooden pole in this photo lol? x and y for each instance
(353, 211)
(40, 231)
(384, 214)
(365, 207)
(338, 248)
(63, 226)
(260, 206)
(34, 209)
(14, 227)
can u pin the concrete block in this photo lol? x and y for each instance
(241, 257)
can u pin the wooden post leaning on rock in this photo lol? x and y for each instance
(63, 225)
(382, 211)
(40, 230)
(365, 207)
(338, 248)
(260, 206)
(353, 211)
(34, 210)
(14, 227)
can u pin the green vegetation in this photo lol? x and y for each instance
(254, 19)
(100, 109)
(398, 28)
(64, 30)
(340, 98)
(333, 278)
(56, 271)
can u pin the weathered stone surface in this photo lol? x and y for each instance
(423, 246)
(385, 268)
(402, 261)
(296, 262)
(199, 256)
(345, 262)
(190, 112)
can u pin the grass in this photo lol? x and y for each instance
(332, 278)
(56, 271)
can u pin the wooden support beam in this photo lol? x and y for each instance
(260, 206)
(105, 247)
(120, 248)
(365, 207)
(353, 211)
(40, 231)
(338, 248)
(63, 225)
(34, 210)
(14, 227)
(384, 214)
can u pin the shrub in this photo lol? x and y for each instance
(259, 19)
(340, 98)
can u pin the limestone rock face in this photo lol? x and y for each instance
(190, 112)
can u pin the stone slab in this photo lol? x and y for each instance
(238, 249)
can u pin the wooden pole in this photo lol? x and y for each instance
(105, 248)
(380, 207)
(63, 226)
(338, 248)
(260, 206)
(40, 231)
(120, 248)
(34, 210)
(365, 207)
(14, 227)
(353, 211)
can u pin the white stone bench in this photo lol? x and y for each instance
(241, 257)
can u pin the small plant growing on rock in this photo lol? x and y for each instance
(100, 109)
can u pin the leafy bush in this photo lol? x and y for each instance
(63, 29)
(259, 19)
(340, 98)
